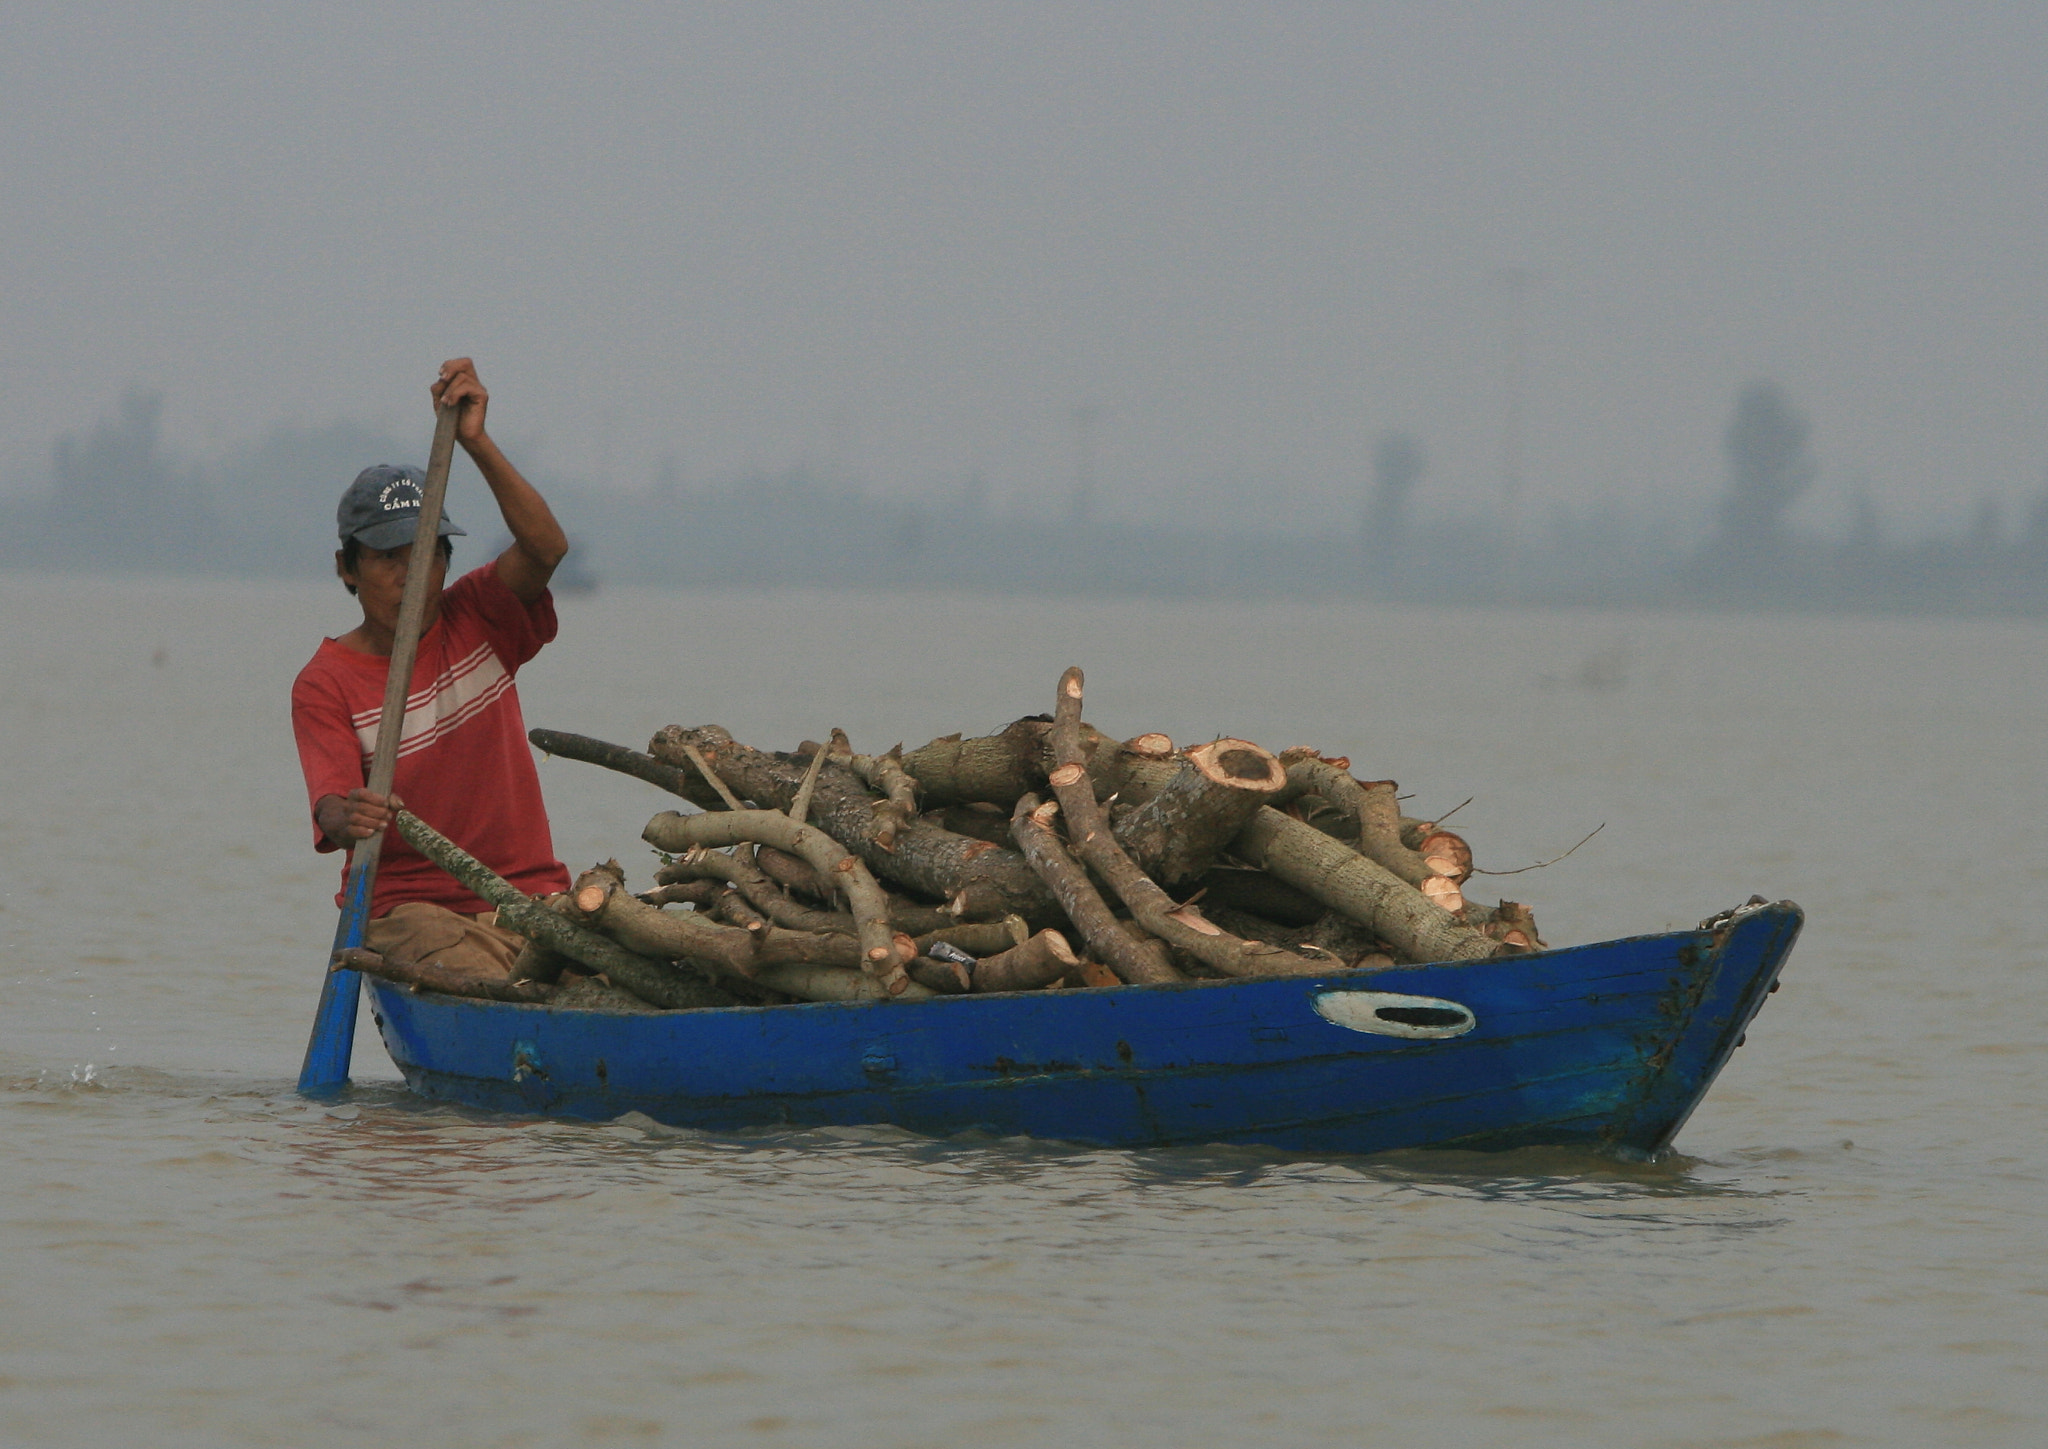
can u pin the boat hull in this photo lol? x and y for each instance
(1609, 1045)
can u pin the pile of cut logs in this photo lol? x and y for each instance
(1045, 856)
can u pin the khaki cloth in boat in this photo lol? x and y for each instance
(427, 934)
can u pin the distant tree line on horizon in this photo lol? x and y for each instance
(118, 501)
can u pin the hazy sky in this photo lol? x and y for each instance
(907, 242)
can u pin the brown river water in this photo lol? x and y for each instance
(1849, 1247)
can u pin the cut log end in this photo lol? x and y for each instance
(1442, 891)
(1446, 854)
(1094, 973)
(1238, 765)
(1040, 962)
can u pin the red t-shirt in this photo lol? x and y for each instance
(464, 765)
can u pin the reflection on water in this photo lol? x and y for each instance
(417, 1159)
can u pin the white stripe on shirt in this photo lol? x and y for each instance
(458, 694)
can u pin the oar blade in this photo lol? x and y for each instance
(332, 1040)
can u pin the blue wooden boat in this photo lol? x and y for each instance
(1609, 1046)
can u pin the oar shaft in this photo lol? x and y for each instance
(412, 608)
(334, 1021)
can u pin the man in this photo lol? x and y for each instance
(464, 765)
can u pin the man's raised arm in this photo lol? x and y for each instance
(538, 543)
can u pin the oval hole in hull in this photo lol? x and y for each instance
(1388, 1013)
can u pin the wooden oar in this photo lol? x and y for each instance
(334, 1021)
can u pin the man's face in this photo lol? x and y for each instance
(379, 580)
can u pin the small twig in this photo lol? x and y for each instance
(1541, 863)
(732, 801)
(1462, 804)
(800, 808)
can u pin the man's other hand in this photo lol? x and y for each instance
(460, 388)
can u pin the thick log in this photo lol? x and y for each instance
(735, 953)
(1342, 936)
(697, 870)
(880, 956)
(724, 949)
(1510, 922)
(537, 961)
(727, 951)
(706, 867)
(976, 879)
(792, 874)
(1129, 774)
(1001, 769)
(1379, 830)
(686, 783)
(682, 893)
(1299, 939)
(943, 978)
(1314, 810)
(1039, 962)
(1259, 894)
(979, 821)
(1415, 833)
(594, 993)
(885, 775)
(1443, 893)
(732, 908)
(1140, 960)
(600, 900)
(1184, 928)
(591, 888)
(835, 983)
(786, 871)
(978, 938)
(1179, 832)
(1362, 889)
(1369, 808)
(432, 976)
(651, 980)
(1446, 854)
(1092, 973)
(997, 768)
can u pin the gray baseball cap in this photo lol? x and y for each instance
(382, 507)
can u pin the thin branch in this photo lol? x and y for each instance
(800, 808)
(732, 801)
(1541, 863)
